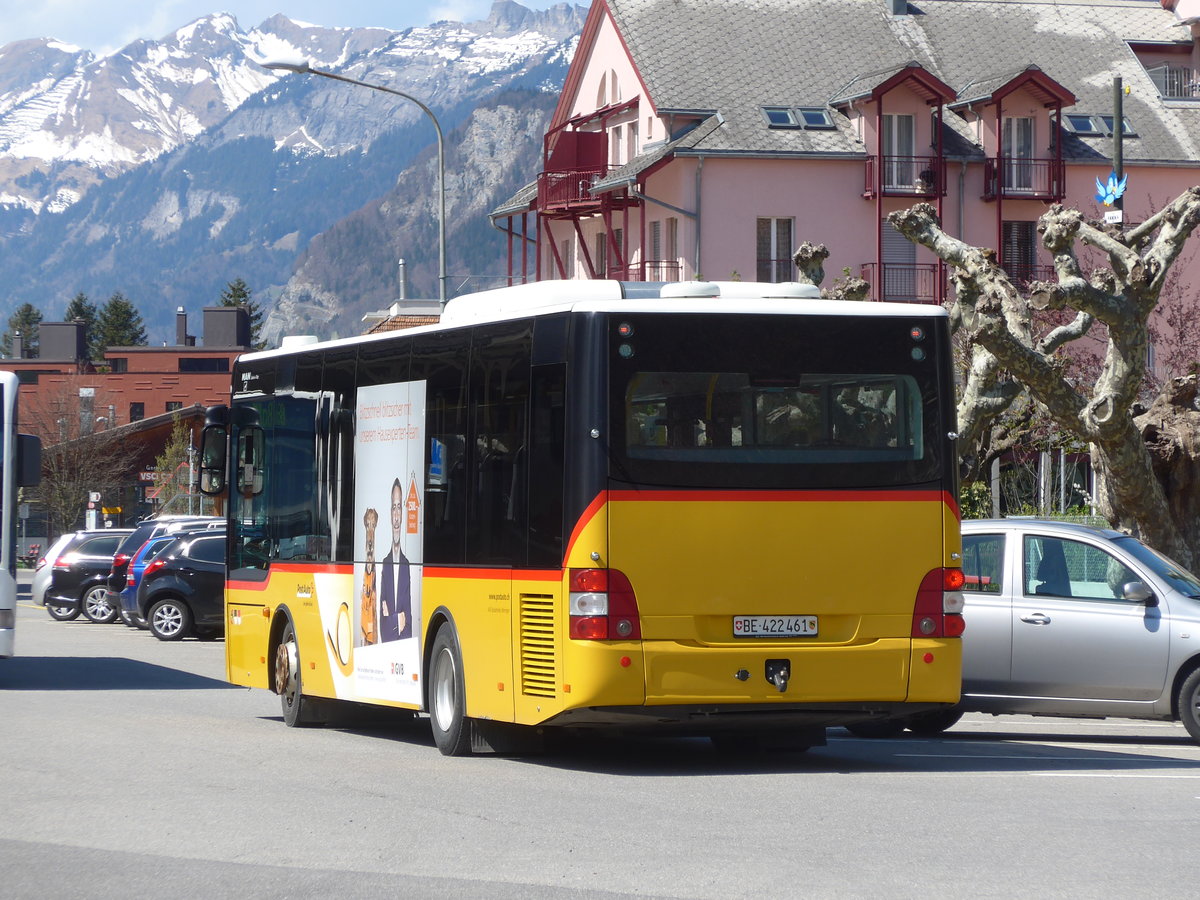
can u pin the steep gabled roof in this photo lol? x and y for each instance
(736, 56)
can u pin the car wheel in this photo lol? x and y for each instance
(97, 605)
(447, 713)
(877, 728)
(1189, 704)
(934, 723)
(63, 613)
(169, 619)
(298, 711)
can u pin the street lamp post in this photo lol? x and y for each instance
(303, 67)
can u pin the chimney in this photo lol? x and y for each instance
(899, 7)
(18, 345)
(182, 338)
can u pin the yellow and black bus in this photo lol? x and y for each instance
(723, 509)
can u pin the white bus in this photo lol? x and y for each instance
(20, 466)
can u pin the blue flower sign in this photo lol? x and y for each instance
(1110, 193)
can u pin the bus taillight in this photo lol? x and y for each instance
(939, 605)
(603, 606)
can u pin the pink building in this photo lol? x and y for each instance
(708, 138)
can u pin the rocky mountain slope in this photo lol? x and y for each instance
(172, 167)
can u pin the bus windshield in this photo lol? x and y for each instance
(756, 401)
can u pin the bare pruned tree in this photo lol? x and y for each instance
(1008, 355)
(79, 455)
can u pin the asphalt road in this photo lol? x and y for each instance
(128, 767)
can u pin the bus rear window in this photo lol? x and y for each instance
(735, 417)
(777, 401)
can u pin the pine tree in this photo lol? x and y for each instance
(237, 293)
(26, 320)
(82, 309)
(118, 324)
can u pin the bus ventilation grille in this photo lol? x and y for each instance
(538, 658)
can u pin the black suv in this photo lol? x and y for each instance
(118, 574)
(79, 577)
(183, 589)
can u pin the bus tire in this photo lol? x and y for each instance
(934, 723)
(62, 612)
(298, 711)
(1188, 702)
(447, 705)
(97, 605)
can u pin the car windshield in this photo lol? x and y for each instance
(1165, 568)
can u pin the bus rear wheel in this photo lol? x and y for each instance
(447, 715)
(298, 711)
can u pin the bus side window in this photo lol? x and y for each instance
(547, 442)
(249, 461)
(440, 360)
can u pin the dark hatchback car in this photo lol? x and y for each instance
(136, 539)
(79, 576)
(183, 590)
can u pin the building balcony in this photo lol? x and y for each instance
(906, 283)
(1024, 179)
(905, 176)
(566, 190)
(650, 270)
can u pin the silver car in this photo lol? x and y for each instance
(1067, 620)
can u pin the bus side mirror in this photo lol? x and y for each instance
(29, 460)
(213, 454)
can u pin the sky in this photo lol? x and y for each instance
(104, 26)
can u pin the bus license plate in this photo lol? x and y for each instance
(774, 626)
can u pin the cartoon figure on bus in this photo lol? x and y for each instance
(369, 588)
(395, 594)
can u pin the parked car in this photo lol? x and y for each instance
(1068, 620)
(183, 590)
(79, 576)
(117, 576)
(141, 558)
(44, 566)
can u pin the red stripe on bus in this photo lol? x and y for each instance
(588, 514)
(551, 575)
(797, 496)
(519, 574)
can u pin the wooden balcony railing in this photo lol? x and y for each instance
(1024, 179)
(557, 190)
(905, 176)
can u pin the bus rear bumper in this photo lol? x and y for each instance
(702, 720)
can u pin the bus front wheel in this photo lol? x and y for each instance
(447, 715)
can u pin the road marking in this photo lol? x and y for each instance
(1046, 758)
(1106, 775)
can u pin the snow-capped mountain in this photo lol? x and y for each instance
(185, 155)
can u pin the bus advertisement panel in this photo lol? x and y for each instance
(728, 511)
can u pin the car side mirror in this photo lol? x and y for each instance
(1139, 592)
